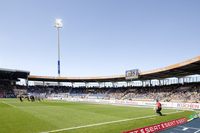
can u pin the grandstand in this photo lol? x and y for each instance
(178, 82)
(8, 79)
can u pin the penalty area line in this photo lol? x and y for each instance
(105, 123)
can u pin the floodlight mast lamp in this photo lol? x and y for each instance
(58, 25)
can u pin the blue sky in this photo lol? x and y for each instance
(99, 37)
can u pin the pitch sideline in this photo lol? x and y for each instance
(9, 104)
(104, 123)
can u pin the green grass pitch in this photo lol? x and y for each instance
(69, 117)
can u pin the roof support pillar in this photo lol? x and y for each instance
(178, 79)
(142, 83)
(99, 83)
(130, 83)
(27, 83)
(113, 85)
(72, 84)
(150, 82)
(159, 82)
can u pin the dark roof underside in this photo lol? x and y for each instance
(10, 74)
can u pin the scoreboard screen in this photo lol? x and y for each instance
(132, 74)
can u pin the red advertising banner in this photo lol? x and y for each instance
(158, 127)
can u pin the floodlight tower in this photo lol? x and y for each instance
(58, 25)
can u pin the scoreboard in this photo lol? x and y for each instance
(132, 74)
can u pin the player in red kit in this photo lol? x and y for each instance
(158, 107)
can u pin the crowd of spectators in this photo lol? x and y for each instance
(6, 91)
(173, 93)
(168, 93)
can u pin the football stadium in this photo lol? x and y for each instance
(99, 66)
(47, 108)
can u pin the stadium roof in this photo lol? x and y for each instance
(189, 67)
(11, 74)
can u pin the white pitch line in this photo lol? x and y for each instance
(197, 131)
(9, 104)
(190, 128)
(104, 123)
(185, 128)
